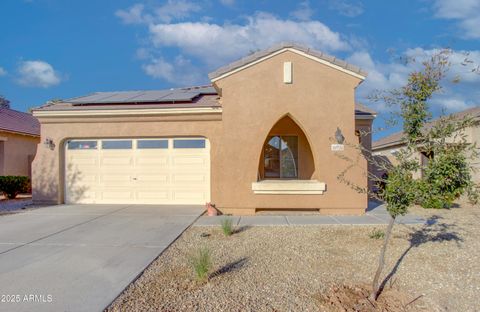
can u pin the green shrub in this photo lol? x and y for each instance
(227, 226)
(201, 263)
(445, 179)
(377, 234)
(11, 186)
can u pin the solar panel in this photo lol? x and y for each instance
(125, 97)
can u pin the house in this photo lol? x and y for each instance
(266, 134)
(385, 148)
(19, 136)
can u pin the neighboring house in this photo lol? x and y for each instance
(19, 136)
(260, 137)
(385, 148)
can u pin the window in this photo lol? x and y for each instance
(152, 144)
(191, 143)
(117, 144)
(82, 145)
(281, 157)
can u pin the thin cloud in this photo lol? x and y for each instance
(464, 12)
(170, 11)
(347, 8)
(386, 76)
(3, 72)
(37, 74)
(304, 12)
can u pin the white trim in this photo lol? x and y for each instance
(294, 51)
(286, 187)
(128, 112)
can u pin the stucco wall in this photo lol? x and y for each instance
(253, 100)
(320, 99)
(18, 153)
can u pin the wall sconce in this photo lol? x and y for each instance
(49, 144)
(339, 136)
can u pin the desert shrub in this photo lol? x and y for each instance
(446, 177)
(11, 186)
(201, 263)
(377, 234)
(227, 226)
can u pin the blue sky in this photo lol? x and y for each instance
(61, 49)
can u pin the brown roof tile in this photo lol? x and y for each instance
(18, 122)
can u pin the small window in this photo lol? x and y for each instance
(82, 145)
(152, 144)
(120, 144)
(194, 143)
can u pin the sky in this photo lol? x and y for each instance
(54, 49)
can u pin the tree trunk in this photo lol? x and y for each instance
(381, 261)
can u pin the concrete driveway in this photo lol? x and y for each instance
(80, 257)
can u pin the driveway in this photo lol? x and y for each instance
(80, 257)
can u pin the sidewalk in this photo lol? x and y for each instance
(376, 215)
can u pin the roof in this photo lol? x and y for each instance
(18, 122)
(206, 96)
(145, 96)
(397, 137)
(252, 58)
(361, 109)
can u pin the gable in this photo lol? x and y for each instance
(262, 56)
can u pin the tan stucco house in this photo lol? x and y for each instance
(19, 136)
(265, 134)
(385, 148)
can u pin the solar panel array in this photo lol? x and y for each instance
(149, 96)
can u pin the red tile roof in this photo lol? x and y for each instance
(18, 122)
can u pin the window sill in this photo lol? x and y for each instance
(297, 187)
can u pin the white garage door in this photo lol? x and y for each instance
(138, 171)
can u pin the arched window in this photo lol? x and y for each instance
(286, 153)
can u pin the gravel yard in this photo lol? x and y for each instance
(8, 206)
(291, 268)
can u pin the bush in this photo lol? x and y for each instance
(227, 227)
(11, 186)
(445, 179)
(201, 263)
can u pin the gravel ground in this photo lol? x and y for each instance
(289, 268)
(14, 205)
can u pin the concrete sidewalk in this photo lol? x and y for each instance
(376, 215)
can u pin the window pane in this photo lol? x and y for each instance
(289, 157)
(123, 144)
(195, 143)
(76, 145)
(272, 158)
(150, 144)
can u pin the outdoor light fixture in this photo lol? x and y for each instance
(49, 144)
(339, 136)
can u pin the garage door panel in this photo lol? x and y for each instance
(153, 174)
(147, 162)
(117, 194)
(189, 160)
(115, 161)
(189, 178)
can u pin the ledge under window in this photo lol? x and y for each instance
(300, 187)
